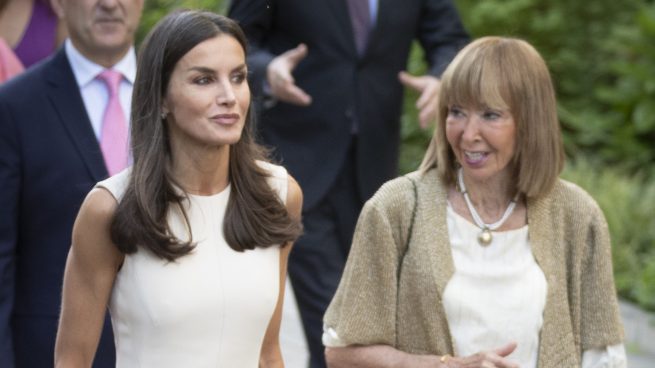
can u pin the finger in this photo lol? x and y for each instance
(411, 81)
(427, 116)
(295, 95)
(278, 73)
(504, 363)
(506, 350)
(279, 86)
(429, 95)
(282, 79)
(296, 54)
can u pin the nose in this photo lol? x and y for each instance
(108, 4)
(471, 131)
(225, 94)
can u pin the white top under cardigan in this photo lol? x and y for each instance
(487, 302)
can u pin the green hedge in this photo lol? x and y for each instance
(601, 57)
(156, 9)
(628, 202)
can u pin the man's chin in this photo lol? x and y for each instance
(113, 44)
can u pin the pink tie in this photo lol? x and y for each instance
(113, 135)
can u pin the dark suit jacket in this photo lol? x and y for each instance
(49, 160)
(313, 141)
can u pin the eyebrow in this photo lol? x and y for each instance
(204, 69)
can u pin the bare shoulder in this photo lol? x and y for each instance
(91, 232)
(294, 197)
(99, 203)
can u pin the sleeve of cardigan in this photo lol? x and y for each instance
(363, 310)
(600, 319)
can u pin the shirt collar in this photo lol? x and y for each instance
(86, 70)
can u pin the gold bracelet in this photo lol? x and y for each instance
(444, 358)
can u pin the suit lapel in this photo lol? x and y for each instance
(64, 94)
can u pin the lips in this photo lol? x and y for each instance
(225, 119)
(108, 20)
(109, 25)
(475, 157)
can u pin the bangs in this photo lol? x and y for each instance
(480, 79)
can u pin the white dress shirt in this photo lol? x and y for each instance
(373, 9)
(94, 92)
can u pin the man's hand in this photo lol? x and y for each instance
(278, 75)
(428, 86)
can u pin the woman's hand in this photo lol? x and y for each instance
(380, 356)
(485, 359)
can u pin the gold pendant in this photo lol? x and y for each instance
(484, 238)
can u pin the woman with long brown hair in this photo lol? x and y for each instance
(189, 246)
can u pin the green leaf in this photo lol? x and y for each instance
(643, 116)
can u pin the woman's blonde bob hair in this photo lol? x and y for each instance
(509, 74)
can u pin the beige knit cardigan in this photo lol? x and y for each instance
(570, 242)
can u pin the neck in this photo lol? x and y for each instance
(106, 58)
(201, 171)
(491, 197)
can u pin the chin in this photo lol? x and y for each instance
(226, 141)
(112, 39)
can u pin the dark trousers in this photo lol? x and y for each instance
(318, 257)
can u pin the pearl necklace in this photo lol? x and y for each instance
(485, 237)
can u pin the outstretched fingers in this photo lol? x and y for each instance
(280, 79)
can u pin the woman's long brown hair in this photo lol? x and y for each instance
(255, 216)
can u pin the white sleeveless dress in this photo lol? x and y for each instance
(209, 308)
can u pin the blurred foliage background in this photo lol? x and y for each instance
(602, 58)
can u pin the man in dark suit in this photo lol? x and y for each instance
(330, 74)
(51, 120)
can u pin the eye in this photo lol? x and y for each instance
(455, 112)
(491, 115)
(238, 77)
(203, 80)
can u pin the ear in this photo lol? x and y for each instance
(164, 108)
(58, 8)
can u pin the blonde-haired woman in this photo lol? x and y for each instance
(484, 257)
